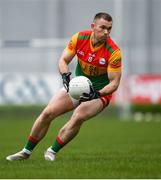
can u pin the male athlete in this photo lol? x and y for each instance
(99, 59)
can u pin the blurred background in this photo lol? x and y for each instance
(33, 34)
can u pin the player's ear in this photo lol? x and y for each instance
(92, 26)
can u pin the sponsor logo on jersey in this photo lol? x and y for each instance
(80, 52)
(102, 61)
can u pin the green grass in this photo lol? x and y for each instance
(105, 148)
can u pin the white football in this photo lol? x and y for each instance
(79, 85)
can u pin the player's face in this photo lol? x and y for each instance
(101, 29)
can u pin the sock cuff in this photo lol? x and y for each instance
(33, 139)
(26, 151)
(59, 141)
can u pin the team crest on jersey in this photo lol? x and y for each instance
(102, 61)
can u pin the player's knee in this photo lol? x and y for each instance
(79, 117)
(48, 114)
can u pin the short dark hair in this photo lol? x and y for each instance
(103, 15)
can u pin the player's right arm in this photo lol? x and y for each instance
(66, 57)
(68, 54)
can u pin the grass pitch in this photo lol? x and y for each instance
(104, 148)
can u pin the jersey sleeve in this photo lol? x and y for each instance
(115, 64)
(71, 46)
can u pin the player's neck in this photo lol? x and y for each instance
(95, 42)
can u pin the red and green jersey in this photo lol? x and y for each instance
(94, 63)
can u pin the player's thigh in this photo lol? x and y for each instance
(88, 109)
(60, 103)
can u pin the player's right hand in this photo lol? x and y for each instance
(66, 80)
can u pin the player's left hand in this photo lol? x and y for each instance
(89, 96)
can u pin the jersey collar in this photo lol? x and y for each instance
(94, 48)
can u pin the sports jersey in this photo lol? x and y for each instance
(94, 63)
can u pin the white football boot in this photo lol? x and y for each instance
(49, 154)
(18, 156)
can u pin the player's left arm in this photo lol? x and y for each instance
(114, 78)
(114, 73)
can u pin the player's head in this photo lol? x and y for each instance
(101, 26)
